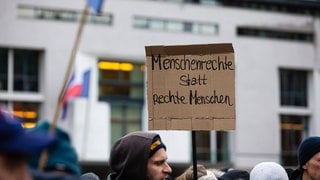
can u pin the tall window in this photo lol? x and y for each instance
(25, 67)
(19, 73)
(122, 85)
(293, 84)
(293, 130)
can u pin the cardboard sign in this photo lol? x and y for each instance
(191, 87)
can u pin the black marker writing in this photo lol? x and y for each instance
(169, 98)
(186, 80)
(196, 99)
(221, 63)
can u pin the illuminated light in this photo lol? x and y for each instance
(126, 66)
(25, 114)
(115, 66)
(18, 113)
(29, 125)
(109, 65)
(290, 126)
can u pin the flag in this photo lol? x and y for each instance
(78, 86)
(95, 6)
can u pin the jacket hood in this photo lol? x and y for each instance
(129, 156)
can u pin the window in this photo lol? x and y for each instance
(222, 146)
(204, 147)
(293, 84)
(122, 85)
(293, 130)
(25, 67)
(4, 69)
(44, 13)
(171, 25)
(205, 28)
(275, 34)
(19, 73)
(174, 26)
(293, 92)
(283, 6)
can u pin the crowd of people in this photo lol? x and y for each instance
(21, 149)
(137, 155)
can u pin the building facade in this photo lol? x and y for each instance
(277, 72)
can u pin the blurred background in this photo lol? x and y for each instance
(277, 57)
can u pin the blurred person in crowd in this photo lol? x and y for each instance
(308, 160)
(208, 176)
(268, 171)
(15, 145)
(89, 176)
(234, 174)
(202, 172)
(214, 174)
(139, 155)
(62, 159)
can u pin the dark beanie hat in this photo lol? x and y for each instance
(156, 145)
(308, 148)
(235, 174)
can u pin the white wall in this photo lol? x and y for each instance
(256, 137)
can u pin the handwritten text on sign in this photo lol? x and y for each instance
(191, 90)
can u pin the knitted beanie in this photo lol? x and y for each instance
(156, 145)
(308, 148)
(268, 171)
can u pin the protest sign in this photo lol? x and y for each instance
(191, 87)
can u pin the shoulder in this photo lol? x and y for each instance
(294, 174)
(111, 176)
(37, 175)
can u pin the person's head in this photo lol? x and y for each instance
(16, 144)
(235, 174)
(309, 157)
(15, 139)
(208, 176)
(62, 156)
(268, 171)
(139, 155)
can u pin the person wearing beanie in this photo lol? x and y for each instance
(16, 144)
(62, 156)
(308, 160)
(268, 171)
(139, 155)
(235, 174)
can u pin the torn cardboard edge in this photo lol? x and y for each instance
(192, 124)
(198, 49)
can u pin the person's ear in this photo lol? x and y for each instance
(305, 166)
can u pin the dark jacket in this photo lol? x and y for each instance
(129, 156)
(38, 175)
(295, 175)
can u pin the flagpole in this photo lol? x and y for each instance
(86, 122)
(44, 155)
